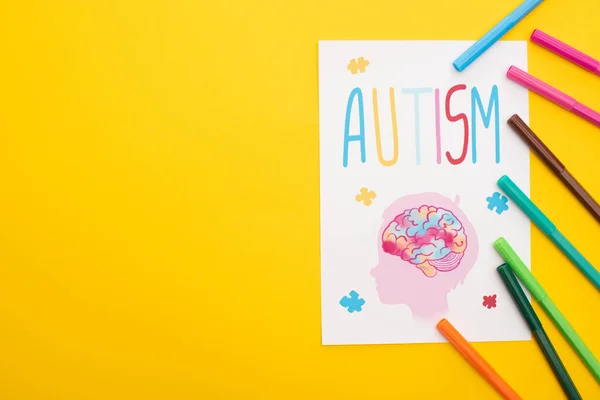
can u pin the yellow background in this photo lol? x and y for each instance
(150, 154)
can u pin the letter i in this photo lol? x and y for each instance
(438, 144)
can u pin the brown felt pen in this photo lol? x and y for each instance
(555, 165)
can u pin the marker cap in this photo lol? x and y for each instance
(530, 209)
(519, 267)
(513, 286)
(541, 88)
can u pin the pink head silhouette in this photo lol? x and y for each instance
(426, 247)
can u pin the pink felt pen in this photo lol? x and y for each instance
(554, 95)
(566, 51)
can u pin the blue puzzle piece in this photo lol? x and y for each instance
(498, 202)
(352, 302)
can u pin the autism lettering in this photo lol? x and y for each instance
(421, 98)
(430, 238)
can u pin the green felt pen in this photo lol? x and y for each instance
(538, 292)
(549, 229)
(511, 283)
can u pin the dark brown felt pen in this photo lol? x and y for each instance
(555, 165)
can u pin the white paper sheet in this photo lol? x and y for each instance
(415, 245)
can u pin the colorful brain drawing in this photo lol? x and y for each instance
(429, 237)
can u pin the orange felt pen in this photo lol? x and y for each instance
(475, 359)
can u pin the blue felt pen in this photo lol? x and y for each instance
(494, 34)
(549, 229)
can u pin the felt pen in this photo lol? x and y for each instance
(549, 229)
(538, 292)
(476, 360)
(522, 303)
(566, 51)
(491, 37)
(536, 144)
(554, 95)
